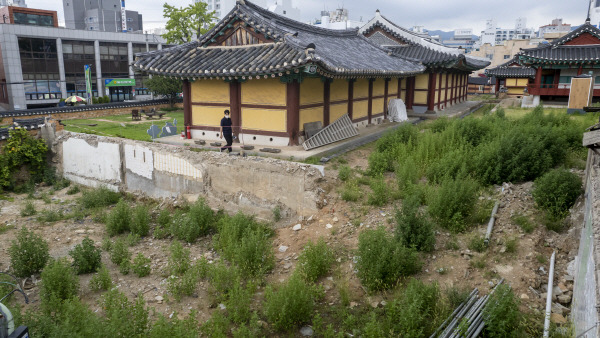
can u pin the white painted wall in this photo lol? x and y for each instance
(101, 162)
(139, 160)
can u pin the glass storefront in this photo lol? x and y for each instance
(39, 65)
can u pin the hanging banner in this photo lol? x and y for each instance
(88, 83)
(119, 82)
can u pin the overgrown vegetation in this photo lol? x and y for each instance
(22, 151)
(86, 257)
(501, 313)
(315, 260)
(556, 192)
(292, 303)
(28, 254)
(413, 229)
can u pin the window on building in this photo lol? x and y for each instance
(506, 57)
(33, 19)
(564, 79)
(597, 80)
(129, 19)
(39, 66)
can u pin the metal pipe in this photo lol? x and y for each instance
(549, 297)
(491, 224)
(461, 314)
(453, 314)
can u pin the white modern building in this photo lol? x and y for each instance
(494, 35)
(281, 7)
(557, 26)
(40, 64)
(16, 3)
(595, 12)
(337, 19)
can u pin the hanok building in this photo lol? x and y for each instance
(445, 80)
(553, 65)
(512, 77)
(275, 74)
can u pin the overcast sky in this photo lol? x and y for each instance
(433, 14)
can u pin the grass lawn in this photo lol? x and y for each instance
(122, 126)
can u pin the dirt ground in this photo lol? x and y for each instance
(339, 222)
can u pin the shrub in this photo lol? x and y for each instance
(454, 203)
(291, 304)
(501, 314)
(99, 197)
(344, 173)
(28, 254)
(412, 228)
(382, 259)
(86, 257)
(351, 192)
(20, 150)
(124, 318)
(119, 253)
(119, 219)
(162, 327)
(50, 216)
(277, 214)
(59, 283)
(238, 302)
(141, 265)
(456, 295)
(315, 260)
(197, 222)
(223, 279)
(511, 245)
(73, 190)
(140, 222)
(28, 209)
(101, 280)
(403, 134)
(556, 192)
(380, 194)
(477, 243)
(523, 222)
(164, 218)
(179, 260)
(245, 242)
(417, 312)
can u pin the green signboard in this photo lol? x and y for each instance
(119, 82)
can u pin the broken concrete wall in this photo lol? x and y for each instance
(587, 272)
(250, 184)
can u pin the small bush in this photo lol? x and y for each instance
(50, 216)
(99, 197)
(315, 260)
(222, 278)
(238, 302)
(28, 254)
(412, 228)
(73, 190)
(277, 214)
(556, 192)
(380, 194)
(454, 203)
(141, 265)
(456, 295)
(382, 259)
(351, 192)
(101, 280)
(477, 243)
(179, 260)
(59, 283)
(28, 209)
(523, 222)
(125, 266)
(199, 221)
(345, 173)
(86, 257)
(140, 222)
(511, 245)
(245, 242)
(119, 253)
(501, 314)
(124, 318)
(291, 304)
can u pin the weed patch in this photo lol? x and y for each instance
(315, 260)
(28, 254)
(86, 257)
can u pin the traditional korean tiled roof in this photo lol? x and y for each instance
(417, 47)
(511, 69)
(559, 52)
(296, 47)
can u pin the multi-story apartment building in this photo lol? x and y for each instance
(494, 35)
(281, 7)
(100, 15)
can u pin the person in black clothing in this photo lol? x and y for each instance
(226, 131)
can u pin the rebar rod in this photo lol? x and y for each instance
(453, 314)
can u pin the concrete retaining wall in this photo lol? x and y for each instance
(587, 272)
(251, 184)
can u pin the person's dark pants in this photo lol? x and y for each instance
(229, 139)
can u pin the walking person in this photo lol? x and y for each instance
(226, 131)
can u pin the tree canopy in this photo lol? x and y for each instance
(186, 24)
(164, 86)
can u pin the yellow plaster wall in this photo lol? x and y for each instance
(264, 119)
(337, 110)
(207, 115)
(377, 106)
(393, 87)
(310, 115)
(422, 81)
(210, 91)
(264, 91)
(361, 88)
(441, 83)
(420, 97)
(522, 82)
(360, 109)
(311, 91)
(378, 87)
(515, 90)
(403, 95)
(338, 90)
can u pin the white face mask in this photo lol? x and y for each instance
(226, 116)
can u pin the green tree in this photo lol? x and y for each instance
(165, 86)
(186, 24)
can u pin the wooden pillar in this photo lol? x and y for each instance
(370, 105)
(410, 92)
(399, 87)
(538, 78)
(556, 77)
(446, 95)
(579, 70)
(326, 101)
(452, 83)
(439, 99)
(187, 103)
(293, 111)
(235, 106)
(350, 98)
(461, 79)
(385, 97)
(431, 93)
(464, 86)
(497, 85)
